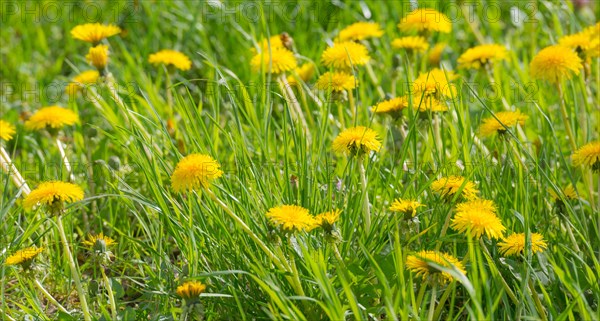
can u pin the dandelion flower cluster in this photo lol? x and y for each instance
(276, 61)
(555, 63)
(435, 83)
(477, 57)
(291, 218)
(23, 257)
(585, 43)
(190, 290)
(476, 218)
(360, 31)
(344, 55)
(357, 141)
(407, 207)
(420, 264)
(6, 130)
(588, 155)
(273, 43)
(99, 243)
(195, 171)
(425, 20)
(170, 57)
(94, 32)
(337, 81)
(414, 44)
(501, 121)
(449, 186)
(304, 73)
(98, 57)
(53, 193)
(568, 192)
(391, 106)
(53, 118)
(435, 54)
(84, 78)
(327, 219)
(514, 244)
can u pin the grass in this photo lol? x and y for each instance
(123, 154)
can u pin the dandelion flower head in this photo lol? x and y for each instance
(448, 186)
(555, 63)
(84, 78)
(336, 81)
(94, 32)
(357, 141)
(190, 290)
(195, 171)
(415, 44)
(478, 56)
(53, 117)
(391, 106)
(276, 61)
(588, 155)
(476, 218)
(98, 56)
(425, 20)
(7, 130)
(344, 55)
(291, 218)
(406, 206)
(514, 244)
(419, 263)
(360, 31)
(52, 193)
(501, 121)
(23, 257)
(170, 57)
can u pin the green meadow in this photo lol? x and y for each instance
(282, 163)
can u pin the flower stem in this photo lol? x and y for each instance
(293, 101)
(536, 301)
(363, 182)
(65, 160)
(444, 229)
(432, 303)
(374, 79)
(566, 118)
(48, 296)
(111, 296)
(15, 175)
(74, 271)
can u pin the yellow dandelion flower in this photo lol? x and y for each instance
(568, 193)
(448, 186)
(273, 42)
(344, 55)
(555, 63)
(7, 130)
(52, 118)
(426, 20)
(98, 56)
(327, 219)
(49, 193)
(407, 207)
(588, 155)
(429, 104)
(391, 106)
(360, 31)
(304, 73)
(84, 78)
(23, 257)
(356, 141)
(291, 218)
(336, 81)
(415, 44)
(94, 32)
(476, 218)
(500, 122)
(586, 44)
(435, 83)
(435, 54)
(420, 264)
(190, 290)
(99, 243)
(171, 57)
(478, 56)
(195, 171)
(514, 244)
(276, 61)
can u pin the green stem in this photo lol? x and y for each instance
(74, 271)
(293, 102)
(432, 303)
(508, 290)
(536, 301)
(48, 296)
(65, 160)
(297, 283)
(566, 118)
(9, 167)
(363, 182)
(374, 79)
(444, 229)
(111, 296)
